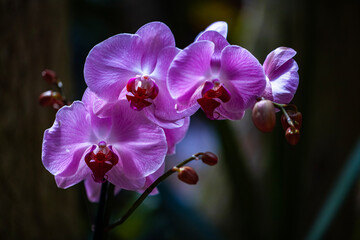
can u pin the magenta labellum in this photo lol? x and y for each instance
(223, 79)
(142, 88)
(100, 160)
(212, 91)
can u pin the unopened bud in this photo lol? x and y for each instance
(263, 115)
(292, 135)
(296, 118)
(209, 158)
(187, 175)
(49, 76)
(51, 98)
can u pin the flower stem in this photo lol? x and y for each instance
(99, 221)
(149, 190)
(282, 108)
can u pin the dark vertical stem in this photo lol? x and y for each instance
(99, 221)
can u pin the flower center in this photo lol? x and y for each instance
(141, 89)
(211, 91)
(100, 160)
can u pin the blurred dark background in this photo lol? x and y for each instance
(263, 188)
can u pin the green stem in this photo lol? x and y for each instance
(149, 190)
(282, 108)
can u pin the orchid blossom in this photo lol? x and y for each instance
(134, 67)
(124, 149)
(282, 78)
(223, 79)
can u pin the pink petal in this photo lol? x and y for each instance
(93, 189)
(243, 77)
(274, 62)
(189, 70)
(222, 113)
(163, 111)
(67, 181)
(282, 72)
(149, 112)
(220, 43)
(175, 135)
(65, 141)
(140, 143)
(155, 36)
(111, 63)
(101, 126)
(152, 178)
(220, 27)
(120, 179)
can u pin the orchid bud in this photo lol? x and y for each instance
(292, 135)
(296, 118)
(187, 175)
(49, 76)
(209, 158)
(51, 98)
(263, 115)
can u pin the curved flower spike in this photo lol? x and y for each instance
(282, 78)
(124, 149)
(133, 67)
(224, 80)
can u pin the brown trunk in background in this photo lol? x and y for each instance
(34, 36)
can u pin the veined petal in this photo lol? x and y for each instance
(282, 72)
(140, 143)
(163, 111)
(274, 62)
(101, 126)
(175, 135)
(267, 93)
(64, 142)
(164, 59)
(222, 113)
(286, 85)
(152, 178)
(82, 173)
(243, 76)
(120, 179)
(93, 189)
(219, 26)
(111, 63)
(220, 43)
(149, 112)
(189, 70)
(155, 36)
